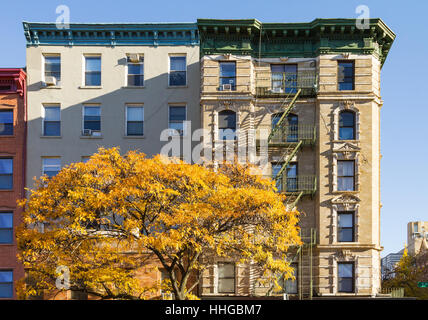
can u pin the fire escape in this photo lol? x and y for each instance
(286, 141)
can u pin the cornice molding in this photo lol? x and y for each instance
(321, 36)
(111, 34)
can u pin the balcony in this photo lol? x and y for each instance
(293, 134)
(278, 84)
(296, 185)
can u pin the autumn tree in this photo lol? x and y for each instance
(408, 272)
(104, 218)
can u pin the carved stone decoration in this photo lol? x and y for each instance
(345, 255)
(346, 148)
(347, 201)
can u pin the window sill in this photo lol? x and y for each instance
(345, 192)
(92, 137)
(133, 87)
(90, 87)
(50, 87)
(342, 141)
(6, 190)
(50, 137)
(134, 137)
(177, 87)
(7, 136)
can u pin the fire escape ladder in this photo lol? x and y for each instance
(287, 110)
(286, 158)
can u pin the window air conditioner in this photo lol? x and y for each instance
(134, 57)
(50, 81)
(226, 87)
(87, 132)
(277, 90)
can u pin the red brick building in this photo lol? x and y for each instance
(13, 117)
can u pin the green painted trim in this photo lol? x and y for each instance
(321, 36)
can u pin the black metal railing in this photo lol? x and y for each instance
(283, 84)
(294, 134)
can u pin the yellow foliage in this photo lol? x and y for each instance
(102, 218)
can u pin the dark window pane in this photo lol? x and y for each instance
(6, 166)
(227, 119)
(346, 285)
(227, 69)
(6, 122)
(136, 80)
(93, 63)
(345, 75)
(6, 129)
(93, 79)
(177, 78)
(177, 113)
(135, 69)
(93, 125)
(6, 290)
(345, 235)
(6, 182)
(52, 128)
(6, 220)
(346, 133)
(135, 128)
(6, 236)
(177, 63)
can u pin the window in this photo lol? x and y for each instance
(226, 278)
(347, 125)
(92, 118)
(136, 72)
(177, 116)
(6, 174)
(92, 70)
(53, 68)
(228, 75)
(345, 276)
(134, 121)
(345, 175)
(276, 167)
(415, 228)
(6, 284)
(227, 125)
(51, 166)
(345, 223)
(291, 285)
(292, 182)
(85, 159)
(6, 227)
(52, 121)
(345, 75)
(177, 71)
(6, 122)
(284, 78)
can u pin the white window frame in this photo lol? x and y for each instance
(169, 68)
(51, 105)
(170, 131)
(84, 68)
(44, 55)
(51, 157)
(133, 105)
(126, 71)
(83, 118)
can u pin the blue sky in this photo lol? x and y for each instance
(404, 75)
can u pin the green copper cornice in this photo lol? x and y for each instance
(321, 36)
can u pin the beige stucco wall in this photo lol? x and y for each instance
(112, 96)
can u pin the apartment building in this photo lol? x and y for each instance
(311, 93)
(417, 237)
(108, 85)
(13, 113)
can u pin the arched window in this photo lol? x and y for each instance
(289, 130)
(227, 125)
(347, 125)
